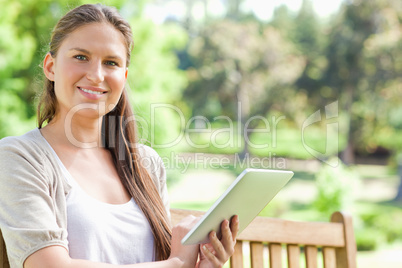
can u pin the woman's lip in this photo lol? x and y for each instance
(95, 92)
(96, 89)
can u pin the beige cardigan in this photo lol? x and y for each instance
(33, 196)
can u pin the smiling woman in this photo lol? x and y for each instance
(74, 192)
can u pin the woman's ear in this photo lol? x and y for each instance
(126, 73)
(48, 66)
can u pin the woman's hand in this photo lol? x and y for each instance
(185, 255)
(217, 252)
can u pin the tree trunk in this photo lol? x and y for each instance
(188, 24)
(398, 196)
(233, 11)
(243, 106)
(347, 156)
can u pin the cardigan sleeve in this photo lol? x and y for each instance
(28, 213)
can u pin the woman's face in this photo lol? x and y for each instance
(89, 70)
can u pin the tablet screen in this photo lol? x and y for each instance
(252, 190)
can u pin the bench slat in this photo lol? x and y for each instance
(237, 258)
(257, 254)
(293, 255)
(311, 256)
(275, 255)
(329, 257)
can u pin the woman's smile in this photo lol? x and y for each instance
(92, 92)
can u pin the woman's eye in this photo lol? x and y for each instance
(80, 57)
(111, 63)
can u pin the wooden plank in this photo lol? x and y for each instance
(177, 215)
(236, 261)
(293, 256)
(275, 255)
(329, 257)
(256, 254)
(346, 256)
(292, 232)
(311, 256)
(284, 231)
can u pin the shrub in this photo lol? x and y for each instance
(368, 239)
(335, 188)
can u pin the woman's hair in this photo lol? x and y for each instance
(118, 130)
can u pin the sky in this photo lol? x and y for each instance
(263, 9)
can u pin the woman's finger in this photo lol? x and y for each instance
(220, 251)
(228, 241)
(234, 226)
(210, 257)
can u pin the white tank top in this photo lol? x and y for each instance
(103, 232)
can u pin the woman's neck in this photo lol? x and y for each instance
(79, 132)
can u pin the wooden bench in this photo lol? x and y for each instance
(334, 239)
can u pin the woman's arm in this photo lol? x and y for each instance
(214, 254)
(57, 257)
(181, 256)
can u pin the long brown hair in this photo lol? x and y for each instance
(119, 130)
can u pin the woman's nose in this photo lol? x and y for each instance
(95, 73)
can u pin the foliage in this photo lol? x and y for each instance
(154, 79)
(383, 53)
(335, 187)
(239, 62)
(377, 224)
(368, 239)
(241, 70)
(14, 111)
(356, 79)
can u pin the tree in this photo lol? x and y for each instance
(308, 35)
(242, 63)
(382, 54)
(346, 75)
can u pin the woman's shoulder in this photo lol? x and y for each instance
(30, 146)
(30, 141)
(29, 158)
(146, 151)
(151, 160)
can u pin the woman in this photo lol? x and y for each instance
(75, 191)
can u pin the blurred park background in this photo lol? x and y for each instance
(221, 85)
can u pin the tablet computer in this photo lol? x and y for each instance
(252, 190)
